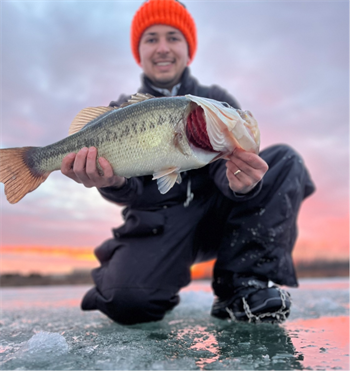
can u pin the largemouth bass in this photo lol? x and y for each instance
(145, 136)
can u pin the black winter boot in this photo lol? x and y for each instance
(253, 301)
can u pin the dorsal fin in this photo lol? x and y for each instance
(85, 116)
(136, 98)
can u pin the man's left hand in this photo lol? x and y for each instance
(252, 169)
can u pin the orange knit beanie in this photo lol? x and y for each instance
(167, 12)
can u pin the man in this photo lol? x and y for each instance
(241, 211)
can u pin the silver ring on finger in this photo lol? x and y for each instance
(237, 172)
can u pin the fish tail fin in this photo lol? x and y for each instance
(16, 173)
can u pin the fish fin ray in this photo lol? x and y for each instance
(166, 182)
(86, 116)
(164, 172)
(18, 178)
(136, 98)
(178, 179)
(166, 178)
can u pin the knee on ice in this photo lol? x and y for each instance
(130, 306)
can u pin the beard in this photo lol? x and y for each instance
(166, 81)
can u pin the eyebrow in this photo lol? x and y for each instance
(156, 33)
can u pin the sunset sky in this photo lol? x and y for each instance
(286, 61)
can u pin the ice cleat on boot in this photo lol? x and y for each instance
(254, 301)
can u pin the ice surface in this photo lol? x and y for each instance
(42, 347)
(43, 328)
(45, 344)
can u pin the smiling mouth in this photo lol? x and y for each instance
(163, 63)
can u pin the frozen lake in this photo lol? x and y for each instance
(44, 328)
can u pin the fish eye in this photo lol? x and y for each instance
(226, 104)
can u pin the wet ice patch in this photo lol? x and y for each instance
(45, 344)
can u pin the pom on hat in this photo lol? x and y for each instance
(168, 12)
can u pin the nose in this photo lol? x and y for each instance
(163, 46)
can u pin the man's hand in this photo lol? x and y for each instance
(81, 167)
(252, 169)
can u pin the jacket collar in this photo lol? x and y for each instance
(186, 87)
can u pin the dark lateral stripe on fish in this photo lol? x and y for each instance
(17, 173)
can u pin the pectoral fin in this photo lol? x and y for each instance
(166, 179)
(178, 179)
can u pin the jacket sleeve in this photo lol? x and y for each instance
(217, 171)
(126, 194)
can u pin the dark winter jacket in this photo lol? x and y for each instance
(142, 192)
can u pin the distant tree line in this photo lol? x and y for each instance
(312, 269)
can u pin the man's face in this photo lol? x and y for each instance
(164, 55)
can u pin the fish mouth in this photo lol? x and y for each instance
(228, 128)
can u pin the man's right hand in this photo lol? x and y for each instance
(81, 167)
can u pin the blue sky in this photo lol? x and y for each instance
(285, 61)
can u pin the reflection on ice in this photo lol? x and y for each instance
(323, 340)
(204, 341)
(40, 329)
